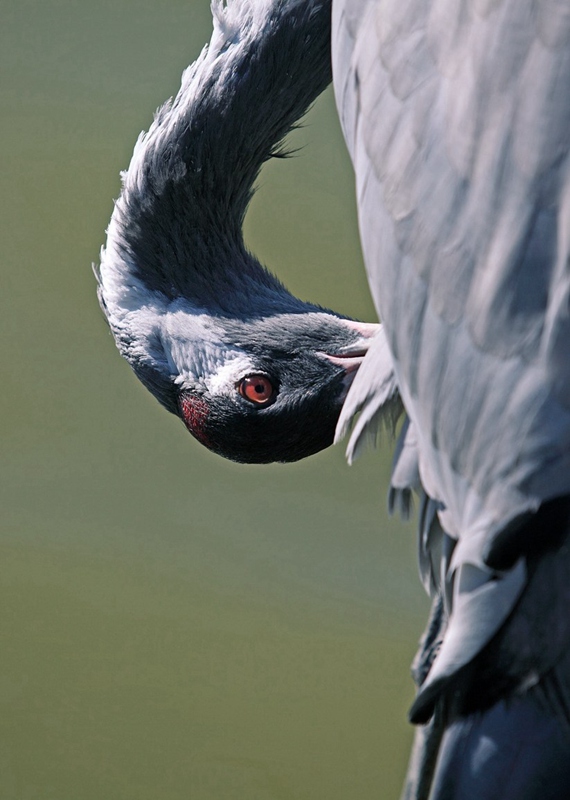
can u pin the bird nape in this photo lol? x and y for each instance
(456, 119)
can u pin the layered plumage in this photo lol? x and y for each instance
(456, 118)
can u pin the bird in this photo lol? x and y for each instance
(256, 374)
(456, 119)
(455, 115)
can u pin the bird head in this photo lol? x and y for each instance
(256, 374)
(255, 386)
(269, 389)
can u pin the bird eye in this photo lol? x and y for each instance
(257, 389)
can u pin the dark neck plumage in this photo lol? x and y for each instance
(179, 218)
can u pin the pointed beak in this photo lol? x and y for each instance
(351, 356)
(367, 330)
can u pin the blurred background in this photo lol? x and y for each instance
(172, 625)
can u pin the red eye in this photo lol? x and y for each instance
(257, 389)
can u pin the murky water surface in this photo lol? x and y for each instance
(174, 626)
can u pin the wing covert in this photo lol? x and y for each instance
(457, 119)
(456, 114)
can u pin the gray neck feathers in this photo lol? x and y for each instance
(177, 227)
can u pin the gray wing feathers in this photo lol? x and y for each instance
(457, 117)
(480, 606)
(374, 393)
(459, 136)
(405, 471)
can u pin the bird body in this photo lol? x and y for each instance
(456, 119)
(463, 215)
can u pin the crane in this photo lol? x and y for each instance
(455, 115)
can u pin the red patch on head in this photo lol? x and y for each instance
(195, 414)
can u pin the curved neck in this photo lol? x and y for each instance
(177, 226)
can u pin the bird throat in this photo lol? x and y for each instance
(195, 414)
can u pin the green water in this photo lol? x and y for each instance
(174, 626)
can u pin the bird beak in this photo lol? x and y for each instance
(351, 356)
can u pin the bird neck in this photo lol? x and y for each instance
(177, 226)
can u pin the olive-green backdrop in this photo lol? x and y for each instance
(174, 626)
